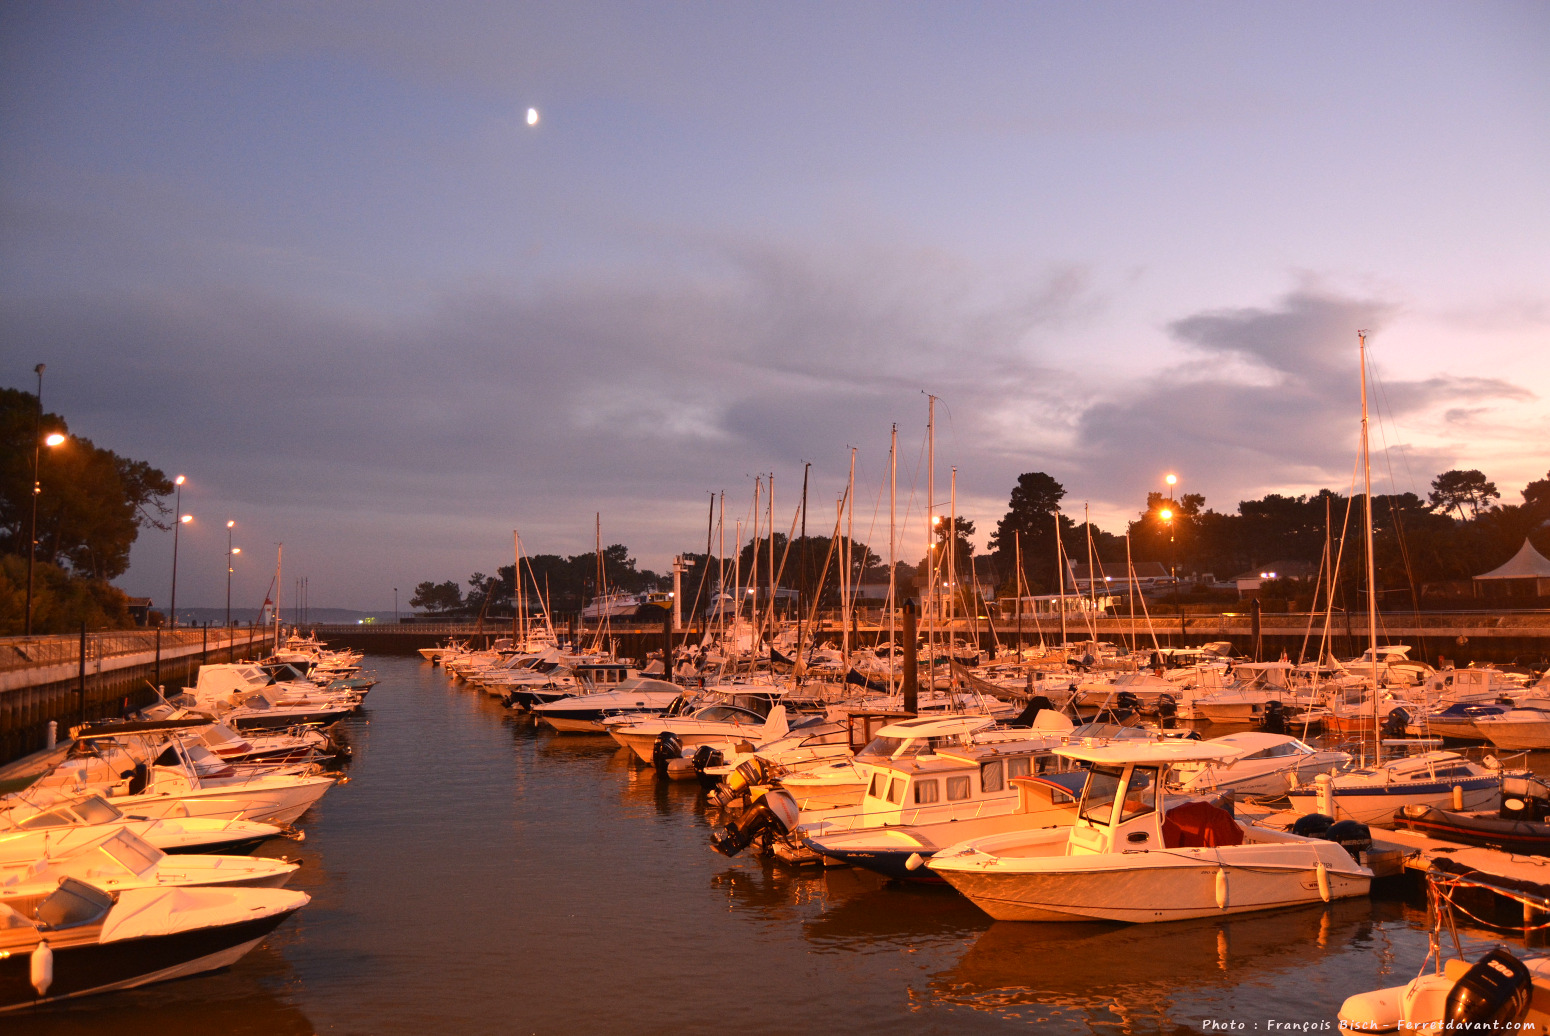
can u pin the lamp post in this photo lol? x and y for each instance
(182, 519)
(38, 442)
(1173, 567)
(395, 604)
(230, 553)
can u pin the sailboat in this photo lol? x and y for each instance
(1372, 795)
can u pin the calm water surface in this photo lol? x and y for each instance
(480, 875)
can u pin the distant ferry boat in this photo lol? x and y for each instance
(623, 605)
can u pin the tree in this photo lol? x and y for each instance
(93, 502)
(437, 598)
(1029, 523)
(1453, 489)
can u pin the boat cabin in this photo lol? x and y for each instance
(1124, 805)
(601, 674)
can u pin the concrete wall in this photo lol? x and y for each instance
(42, 678)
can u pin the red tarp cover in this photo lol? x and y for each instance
(1199, 825)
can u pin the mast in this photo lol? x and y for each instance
(847, 591)
(931, 536)
(893, 493)
(1060, 574)
(1372, 567)
(516, 588)
(279, 556)
(952, 539)
(799, 668)
(773, 576)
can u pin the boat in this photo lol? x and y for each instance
(639, 697)
(78, 939)
(1262, 765)
(1129, 857)
(899, 850)
(1524, 727)
(1519, 826)
(142, 774)
(726, 717)
(1372, 794)
(87, 814)
(120, 859)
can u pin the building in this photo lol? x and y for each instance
(1249, 582)
(1112, 578)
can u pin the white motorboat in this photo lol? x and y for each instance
(899, 850)
(907, 757)
(163, 783)
(727, 718)
(1372, 795)
(78, 939)
(120, 859)
(1129, 857)
(1261, 764)
(1525, 727)
(85, 817)
(640, 697)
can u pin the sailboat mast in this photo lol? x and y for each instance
(1060, 574)
(516, 588)
(279, 556)
(931, 554)
(1372, 566)
(893, 493)
(847, 590)
(771, 524)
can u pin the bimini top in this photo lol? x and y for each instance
(936, 726)
(1120, 753)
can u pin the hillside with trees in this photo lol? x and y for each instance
(92, 506)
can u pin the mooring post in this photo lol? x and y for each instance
(910, 678)
(82, 690)
(158, 656)
(667, 646)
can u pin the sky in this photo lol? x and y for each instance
(313, 257)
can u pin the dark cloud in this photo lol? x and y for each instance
(1275, 405)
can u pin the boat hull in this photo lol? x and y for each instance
(1148, 887)
(91, 967)
(1376, 805)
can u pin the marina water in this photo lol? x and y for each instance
(480, 874)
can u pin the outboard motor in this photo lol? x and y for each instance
(773, 814)
(666, 748)
(705, 757)
(1037, 704)
(1126, 702)
(1396, 723)
(1351, 836)
(735, 785)
(139, 778)
(1494, 994)
(1167, 711)
(1313, 825)
(1274, 719)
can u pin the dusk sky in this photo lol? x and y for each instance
(313, 257)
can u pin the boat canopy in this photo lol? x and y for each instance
(1126, 752)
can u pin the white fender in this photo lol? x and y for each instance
(914, 862)
(1221, 887)
(1458, 797)
(42, 967)
(1323, 873)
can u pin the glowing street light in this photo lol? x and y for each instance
(38, 441)
(183, 519)
(231, 552)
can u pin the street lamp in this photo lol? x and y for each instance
(182, 519)
(39, 440)
(230, 553)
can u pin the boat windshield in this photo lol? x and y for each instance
(95, 810)
(1098, 795)
(901, 747)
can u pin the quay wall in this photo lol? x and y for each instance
(75, 678)
(1460, 638)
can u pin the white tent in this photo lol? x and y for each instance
(1527, 563)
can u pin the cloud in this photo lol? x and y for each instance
(1268, 400)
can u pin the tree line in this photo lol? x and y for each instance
(1425, 550)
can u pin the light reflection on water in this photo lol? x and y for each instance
(482, 875)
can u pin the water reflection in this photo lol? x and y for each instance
(1137, 974)
(251, 999)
